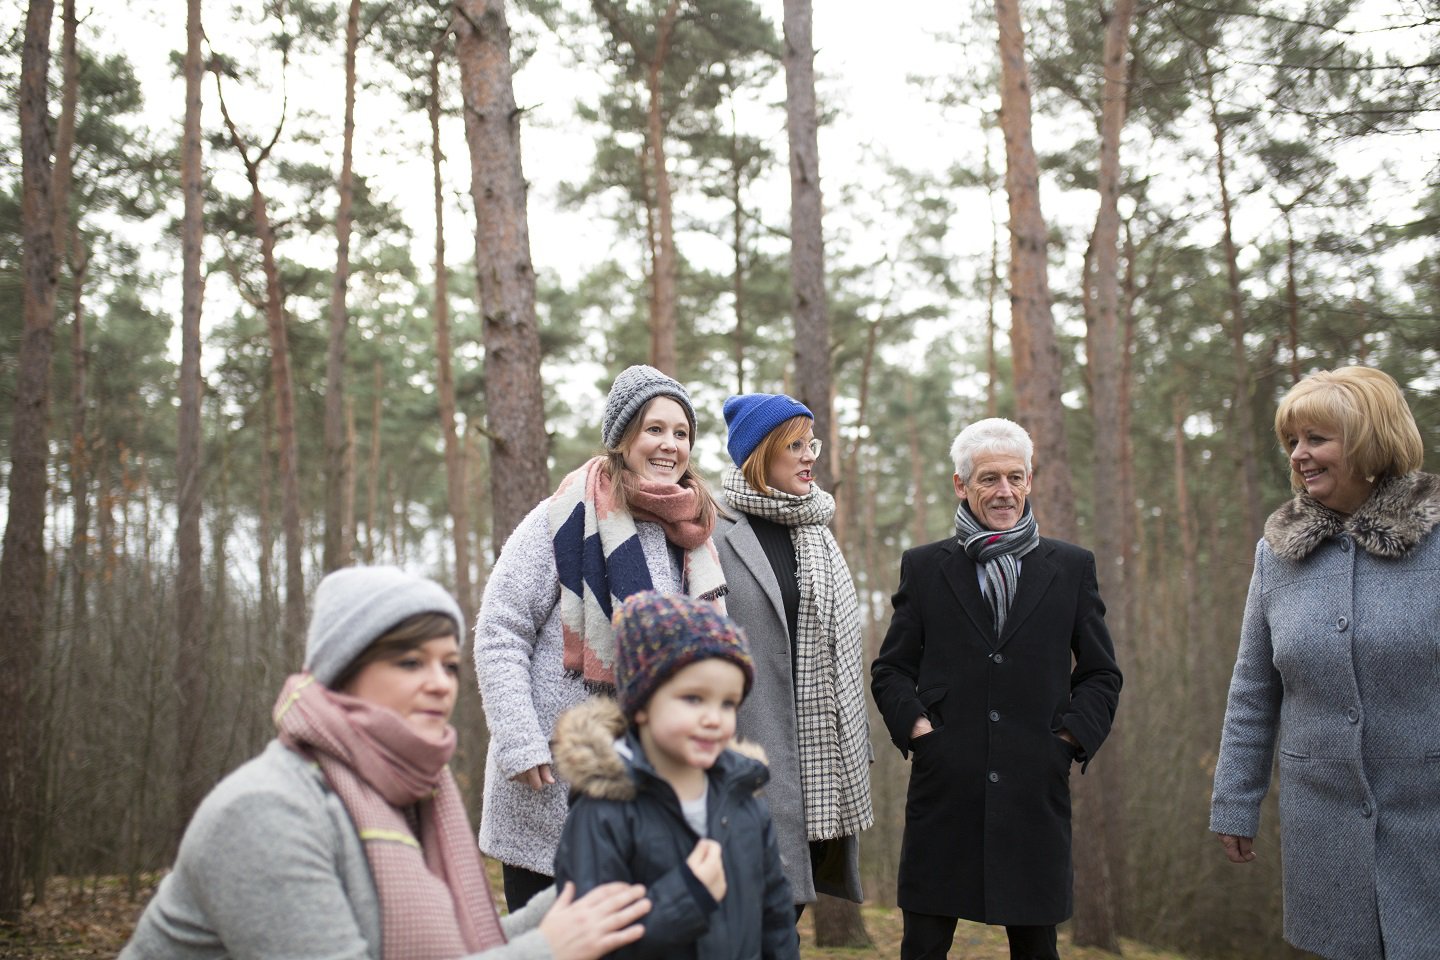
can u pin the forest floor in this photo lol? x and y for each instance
(94, 917)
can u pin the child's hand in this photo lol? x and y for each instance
(706, 863)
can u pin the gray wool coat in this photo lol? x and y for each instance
(767, 716)
(1339, 669)
(271, 866)
(519, 660)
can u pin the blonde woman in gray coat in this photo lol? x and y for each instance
(636, 518)
(791, 590)
(1339, 669)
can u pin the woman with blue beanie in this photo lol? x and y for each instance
(636, 517)
(347, 837)
(790, 589)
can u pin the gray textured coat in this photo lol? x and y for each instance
(1339, 668)
(271, 866)
(519, 654)
(767, 716)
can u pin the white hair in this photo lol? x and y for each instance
(994, 435)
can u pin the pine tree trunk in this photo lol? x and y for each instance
(22, 568)
(338, 538)
(807, 242)
(1097, 821)
(737, 241)
(373, 539)
(281, 381)
(514, 398)
(838, 924)
(189, 588)
(1243, 421)
(662, 321)
(454, 455)
(1035, 355)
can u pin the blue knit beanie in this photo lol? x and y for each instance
(659, 634)
(635, 387)
(751, 416)
(355, 606)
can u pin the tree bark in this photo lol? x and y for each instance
(1035, 355)
(807, 241)
(281, 381)
(22, 567)
(454, 455)
(1095, 903)
(339, 542)
(514, 398)
(1253, 510)
(189, 588)
(374, 541)
(662, 320)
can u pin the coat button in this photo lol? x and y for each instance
(994, 715)
(1365, 810)
(724, 821)
(998, 657)
(1345, 544)
(1342, 624)
(994, 777)
(1352, 715)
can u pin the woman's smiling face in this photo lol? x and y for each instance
(1317, 457)
(660, 450)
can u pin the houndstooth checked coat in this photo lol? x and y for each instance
(1339, 668)
(767, 716)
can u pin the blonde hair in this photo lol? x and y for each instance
(1378, 432)
(756, 468)
(619, 471)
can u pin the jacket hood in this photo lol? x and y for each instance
(1400, 513)
(585, 754)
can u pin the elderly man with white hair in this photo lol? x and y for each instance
(996, 676)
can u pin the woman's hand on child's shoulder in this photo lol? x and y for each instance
(601, 922)
(706, 863)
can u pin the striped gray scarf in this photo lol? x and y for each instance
(998, 553)
(833, 732)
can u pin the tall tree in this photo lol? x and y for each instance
(807, 240)
(1095, 902)
(22, 567)
(1035, 354)
(649, 44)
(444, 375)
(281, 381)
(514, 397)
(339, 538)
(189, 587)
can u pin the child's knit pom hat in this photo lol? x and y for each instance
(659, 634)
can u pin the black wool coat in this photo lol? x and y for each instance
(987, 816)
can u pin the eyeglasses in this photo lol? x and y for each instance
(798, 447)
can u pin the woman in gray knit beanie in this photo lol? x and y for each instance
(347, 836)
(636, 517)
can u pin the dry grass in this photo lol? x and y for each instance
(94, 919)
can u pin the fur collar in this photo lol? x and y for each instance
(585, 754)
(1401, 511)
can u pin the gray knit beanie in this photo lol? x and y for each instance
(354, 606)
(635, 387)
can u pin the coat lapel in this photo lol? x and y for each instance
(1036, 572)
(747, 547)
(964, 580)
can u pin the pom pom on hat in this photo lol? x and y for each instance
(751, 416)
(659, 634)
(635, 387)
(355, 606)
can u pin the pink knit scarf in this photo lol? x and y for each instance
(435, 903)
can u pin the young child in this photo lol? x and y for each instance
(658, 799)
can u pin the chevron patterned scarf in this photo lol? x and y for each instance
(600, 561)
